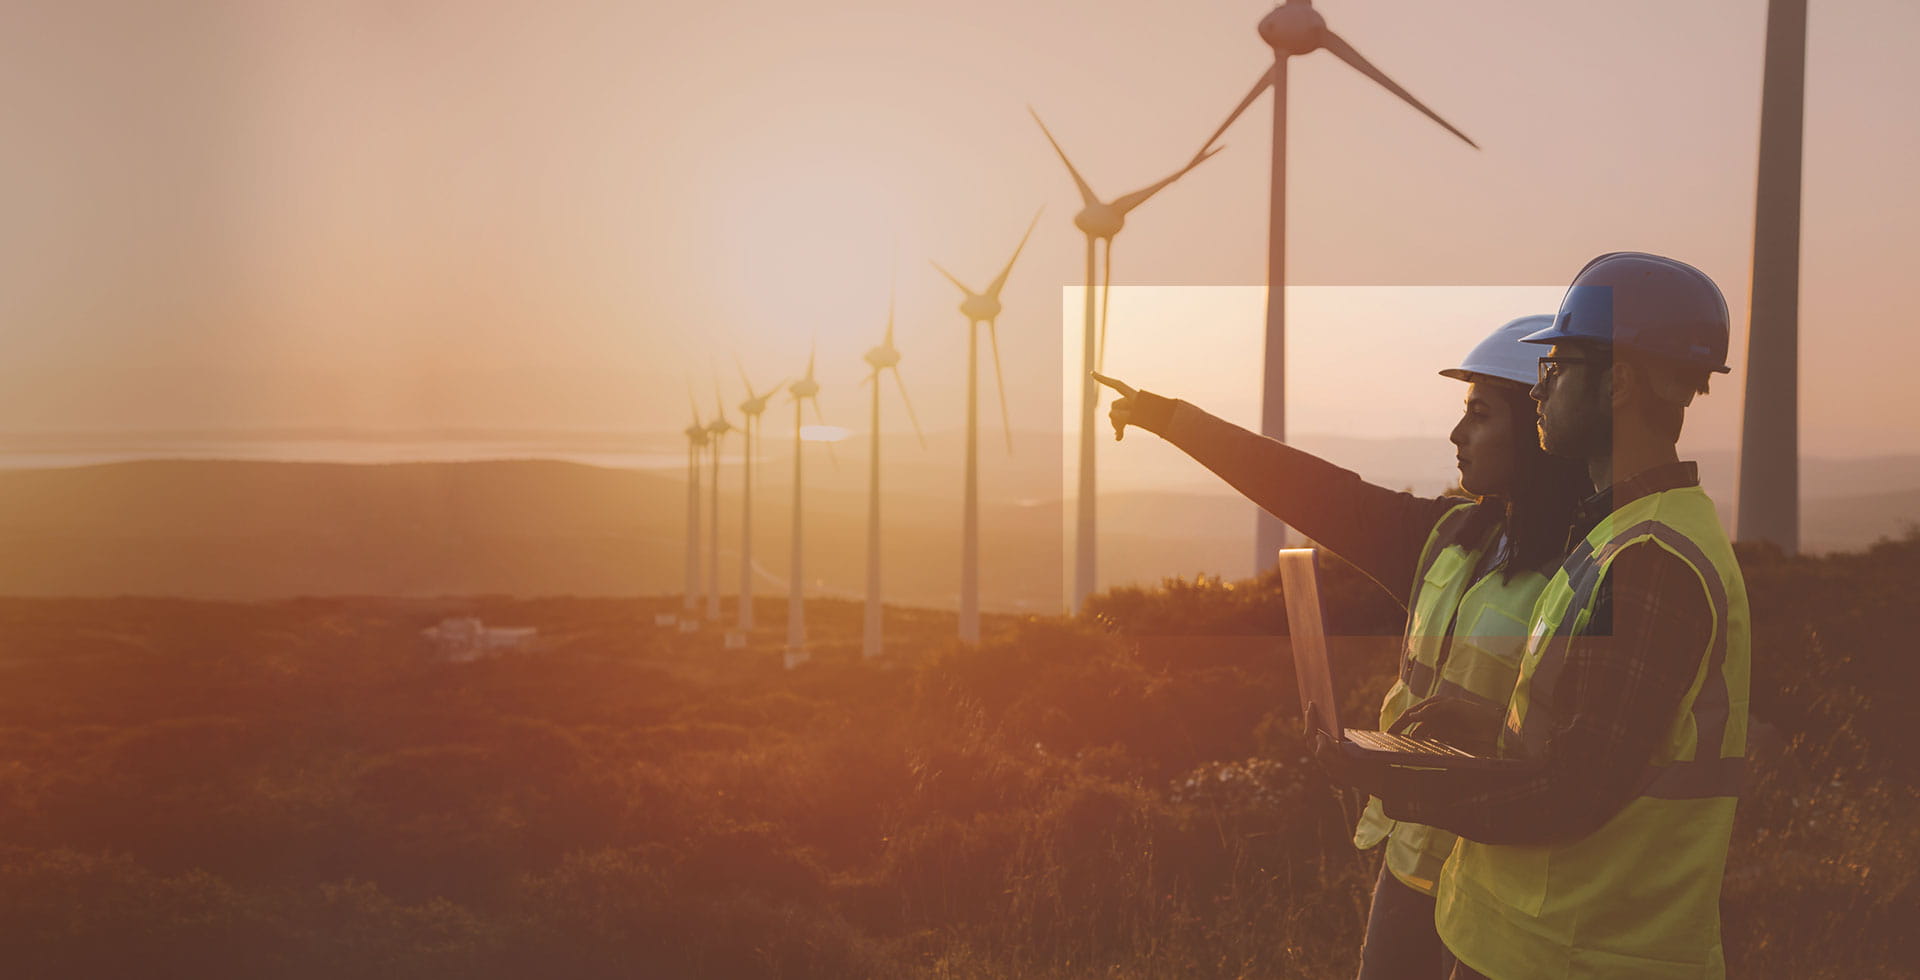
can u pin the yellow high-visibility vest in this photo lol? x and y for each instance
(1487, 620)
(1640, 897)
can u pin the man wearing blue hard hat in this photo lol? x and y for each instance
(1604, 857)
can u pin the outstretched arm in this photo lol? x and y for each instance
(1379, 531)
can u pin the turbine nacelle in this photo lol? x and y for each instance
(719, 427)
(978, 308)
(696, 434)
(1294, 28)
(806, 387)
(755, 405)
(882, 357)
(1100, 220)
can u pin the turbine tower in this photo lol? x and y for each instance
(696, 440)
(1098, 221)
(717, 430)
(979, 308)
(805, 389)
(882, 358)
(750, 411)
(1769, 504)
(1291, 29)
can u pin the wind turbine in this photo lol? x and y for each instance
(1769, 504)
(1293, 28)
(696, 440)
(750, 430)
(717, 429)
(1098, 221)
(979, 308)
(805, 389)
(882, 358)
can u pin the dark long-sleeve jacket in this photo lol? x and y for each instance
(1377, 530)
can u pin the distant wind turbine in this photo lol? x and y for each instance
(1769, 504)
(979, 308)
(1098, 221)
(882, 358)
(750, 433)
(1293, 28)
(717, 429)
(696, 440)
(805, 389)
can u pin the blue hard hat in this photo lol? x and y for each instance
(1503, 354)
(1646, 303)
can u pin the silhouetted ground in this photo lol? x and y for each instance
(303, 789)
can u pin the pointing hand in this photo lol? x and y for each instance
(1122, 411)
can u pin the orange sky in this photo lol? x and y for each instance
(412, 215)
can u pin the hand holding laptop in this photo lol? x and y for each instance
(1365, 775)
(1470, 725)
(1307, 637)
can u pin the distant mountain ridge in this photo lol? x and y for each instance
(258, 530)
(1424, 464)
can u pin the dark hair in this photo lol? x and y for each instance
(1546, 489)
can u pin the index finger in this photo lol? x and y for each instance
(1119, 386)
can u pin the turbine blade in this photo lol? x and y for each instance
(743, 375)
(1128, 202)
(1087, 197)
(909, 402)
(891, 296)
(993, 336)
(1345, 52)
(1265, 82)
(693, 402)
(1000, 281)
(951, 279)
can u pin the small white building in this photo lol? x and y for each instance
(465, 639)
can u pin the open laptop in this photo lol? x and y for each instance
(1300, 581)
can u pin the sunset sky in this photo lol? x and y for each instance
(409, 215)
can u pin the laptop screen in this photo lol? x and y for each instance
(1298, 579)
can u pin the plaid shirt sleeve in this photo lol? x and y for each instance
(1625, 677)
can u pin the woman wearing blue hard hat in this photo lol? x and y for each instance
(1467, 568)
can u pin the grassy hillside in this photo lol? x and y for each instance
(237, 530)
(302, 789)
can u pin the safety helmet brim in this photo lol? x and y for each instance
(1500, 356)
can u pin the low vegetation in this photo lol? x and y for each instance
(302, 789)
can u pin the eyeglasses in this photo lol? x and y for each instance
(1550, 367)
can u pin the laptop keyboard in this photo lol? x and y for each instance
(1385, 742)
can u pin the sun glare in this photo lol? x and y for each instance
(809, 236)
(823, 433)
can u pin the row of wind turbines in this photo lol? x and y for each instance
(1295, 28)
(1292, 29)
(706, 438)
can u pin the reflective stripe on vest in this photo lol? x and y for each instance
(1445, 601)
(1707, 774)
(1640, 895)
